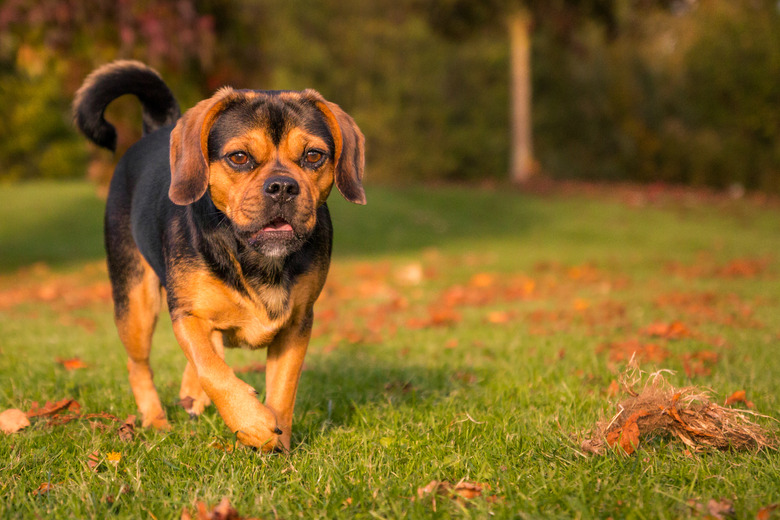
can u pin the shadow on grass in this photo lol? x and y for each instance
(335, 385)
(61, 223)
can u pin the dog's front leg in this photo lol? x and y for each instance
(253, 423)
(283, 371)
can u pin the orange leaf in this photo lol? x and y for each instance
(463, 489)
(13, 420)
(43, 488)
(498, 317)
(482, 280)
(630, 438)
(673, 330)
(765, 513)
(222, 511)
(51, 408)
(627, 437)
(738, 397)
(72, 363)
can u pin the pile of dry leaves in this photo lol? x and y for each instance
(688, 414)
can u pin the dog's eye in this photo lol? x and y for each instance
(238, 158)
(313, 156)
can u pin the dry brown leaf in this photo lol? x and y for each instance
(53, 408)
(93, 460)
(222, 511)
(127, 430)
(627, 437)
(222, 446)
(13, 420)
(461, 491)
(43, 488)
(713, 509)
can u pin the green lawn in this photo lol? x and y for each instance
(464, 334)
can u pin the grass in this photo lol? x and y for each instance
(422, 366)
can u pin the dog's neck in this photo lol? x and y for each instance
(231, 259)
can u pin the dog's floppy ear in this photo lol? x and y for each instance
(189, 148)
(349, 156)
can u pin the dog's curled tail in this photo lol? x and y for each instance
(116, 79)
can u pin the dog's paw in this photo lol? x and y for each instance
(253, 423)
(157, 421)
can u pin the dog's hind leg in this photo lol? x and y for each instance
(137, 300)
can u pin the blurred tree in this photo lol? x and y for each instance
(458, 19)
(47, 47)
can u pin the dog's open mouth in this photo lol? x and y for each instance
(278, 225)
(277, 229)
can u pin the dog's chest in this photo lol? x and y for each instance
(254, 323)
(249, 320)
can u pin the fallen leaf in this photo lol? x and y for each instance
(581, 304)
(672, 330)
(499, 317)
(410, 274)
(627, 437)
(743, 268)
(765, 513)
(51, 408)
(738, 397)
(72, 363)
(221, 446)
(93, 460)
(699, 363)
(222, 511)
(482, 280)
(13, 420)
(127, 430)
(720, 509)
(461, 490)
(43, 488)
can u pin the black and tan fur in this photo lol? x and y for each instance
(224, 209)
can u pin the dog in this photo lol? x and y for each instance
(224, 209)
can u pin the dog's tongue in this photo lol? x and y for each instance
(278, 225)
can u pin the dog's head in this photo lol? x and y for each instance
(268, 161)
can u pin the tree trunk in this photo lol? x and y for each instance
(522, 163)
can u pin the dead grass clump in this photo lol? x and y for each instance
(685, 413)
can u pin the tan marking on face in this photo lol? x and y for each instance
(240, 194)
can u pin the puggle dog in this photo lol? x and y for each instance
(224, 210)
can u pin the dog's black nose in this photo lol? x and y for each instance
(281, 189)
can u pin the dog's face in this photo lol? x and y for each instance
(268, 161)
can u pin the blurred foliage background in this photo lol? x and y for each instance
(681, 91)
